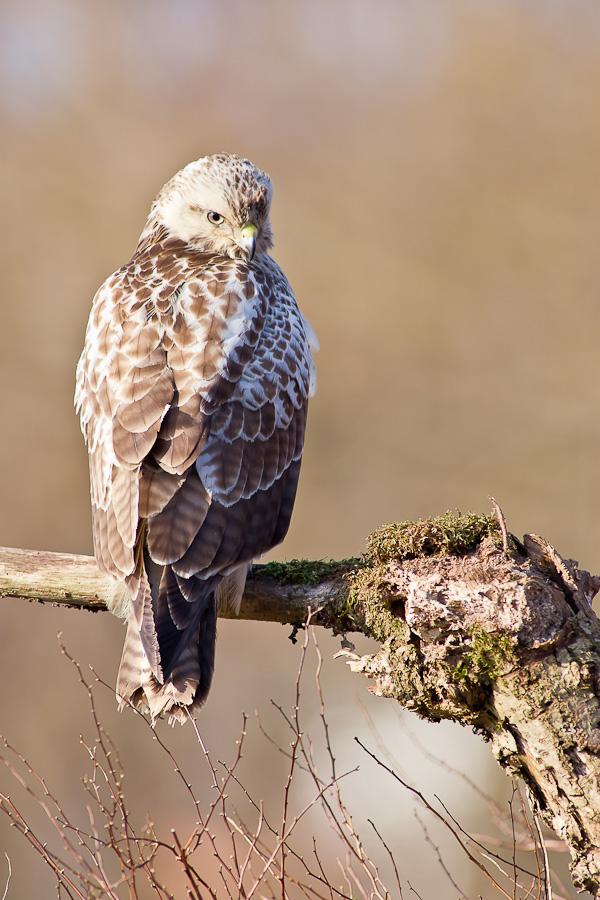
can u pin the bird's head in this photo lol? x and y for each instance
(218, 204)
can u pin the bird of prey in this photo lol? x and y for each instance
(192, 390)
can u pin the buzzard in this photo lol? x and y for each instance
(192, 391)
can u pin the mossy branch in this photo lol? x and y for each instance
(276, 592)
(474, 626)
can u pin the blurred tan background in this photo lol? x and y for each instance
(437, 211)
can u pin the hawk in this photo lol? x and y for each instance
(192, 391)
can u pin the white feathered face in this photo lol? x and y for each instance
(218, 204)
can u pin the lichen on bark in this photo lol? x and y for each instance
(503, 640)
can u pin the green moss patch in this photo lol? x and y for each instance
(306, 571)
(489, 656)
(452, 533)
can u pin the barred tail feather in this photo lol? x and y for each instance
(134, 671)
(185, 619)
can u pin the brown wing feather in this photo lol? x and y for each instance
(125, 491)
(206, 542)
(172, 530)
(156, 488)
(139, 416)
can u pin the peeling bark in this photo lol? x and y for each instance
(509, 644)
(501, 638)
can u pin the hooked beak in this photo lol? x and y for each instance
(248, 241)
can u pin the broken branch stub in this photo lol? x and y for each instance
(507, 643)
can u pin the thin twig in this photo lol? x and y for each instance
(434, 811)
(502, 524)
(390, 854)
(439, 857)
(5, 894)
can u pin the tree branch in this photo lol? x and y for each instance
(474, 626)
(68, 579)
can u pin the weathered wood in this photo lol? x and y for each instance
(68, 579)
(489, 632)
(508, 644)
(63, 578)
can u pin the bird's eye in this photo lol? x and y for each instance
(215, 218)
